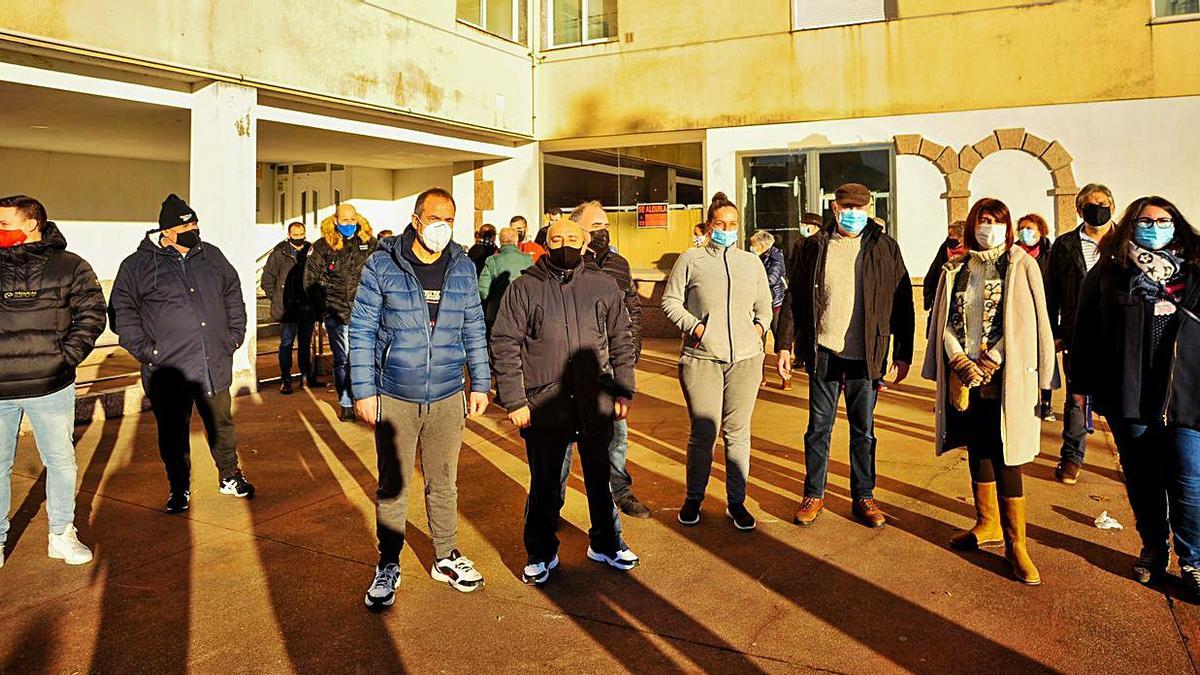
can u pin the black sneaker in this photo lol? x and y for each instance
(1150, 566)
(346, 414)
(382, 592)
(742, 519)
(457, 571)
(1191, 581)
(690, 513)
(237, 485)
(177, 502)
(631, 507)
(286, 388)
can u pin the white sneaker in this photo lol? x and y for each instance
(457, 571)
(67, 547)
(538, 573)
(624, 559)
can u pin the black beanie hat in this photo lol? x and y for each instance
(175, 212)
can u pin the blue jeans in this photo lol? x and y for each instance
(830, 374)
(288, 332)
(339, 344)
(618, 478)
(53, 420)
(1162, 477)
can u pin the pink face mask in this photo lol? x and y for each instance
(10, 238)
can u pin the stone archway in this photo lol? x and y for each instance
(956, 168)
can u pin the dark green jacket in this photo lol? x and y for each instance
(499, 271)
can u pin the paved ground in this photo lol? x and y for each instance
(275, 584)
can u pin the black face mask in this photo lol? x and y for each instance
(952, 243)
(189, 239)
(298, 243)
(600, 241)
(1096, 215)
(565, 257)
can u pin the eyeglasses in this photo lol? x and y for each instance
(1161, 222)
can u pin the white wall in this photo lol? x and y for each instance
(103, 205)
(1136, 147)
(518, 188)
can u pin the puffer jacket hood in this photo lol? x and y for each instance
(51, 312)
(393, 349)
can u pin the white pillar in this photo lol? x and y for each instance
(223, 182)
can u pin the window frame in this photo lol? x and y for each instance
(1170, 18)
(583, 29)
(812, 176)
(796, 27)
(518, 21)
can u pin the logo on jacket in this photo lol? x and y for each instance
(20, 295)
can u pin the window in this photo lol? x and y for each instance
(778, 190)
(808, 14)
(504, 18)
(574, 22)
(1165, 8)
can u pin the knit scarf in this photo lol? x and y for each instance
(979, 325)
(1161, 273)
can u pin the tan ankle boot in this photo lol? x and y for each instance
(1012, 517)
(987, 530)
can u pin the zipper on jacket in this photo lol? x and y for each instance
(1171, 372)
(728, 303)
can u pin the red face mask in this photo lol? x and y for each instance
(10, 238)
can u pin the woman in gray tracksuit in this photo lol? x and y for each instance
(719, 297)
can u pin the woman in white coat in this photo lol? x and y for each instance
(991, 353)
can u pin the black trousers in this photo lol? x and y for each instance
(546, 453)
(985, 449)
(173, 399)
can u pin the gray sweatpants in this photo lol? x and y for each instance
(725, 392)
(438, 430)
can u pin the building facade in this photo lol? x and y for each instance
(271, 112)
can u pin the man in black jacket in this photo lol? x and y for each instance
(331, 276)
(177, 308)
(51, 312)
(1072, 257)
(599, 253)
(564, 365)
(849, 293)
(283, 282)
(485, 246)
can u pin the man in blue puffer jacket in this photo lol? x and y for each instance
(416, 322)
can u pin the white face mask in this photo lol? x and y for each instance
(437, 235)
(699, 241)
(990, 236)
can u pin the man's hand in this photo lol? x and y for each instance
(699, 332)
(899, 371)
(988, 366)
(520, 417)
(477, 402)
(621, 408)
(784, 364)
(1060, 346)
(367, 410)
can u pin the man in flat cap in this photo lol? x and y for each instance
(849, 293)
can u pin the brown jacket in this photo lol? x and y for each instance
(1028, 355)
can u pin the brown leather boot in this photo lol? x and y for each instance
(987, 530)
(810, 508)
(868, 513)
(1012, 518)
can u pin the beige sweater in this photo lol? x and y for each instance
(840, 326)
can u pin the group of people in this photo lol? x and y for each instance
(423, 331)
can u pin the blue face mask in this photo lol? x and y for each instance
(852, 221)
(347, 229)
(1029, 237)
(724, 238)
(1153, 237)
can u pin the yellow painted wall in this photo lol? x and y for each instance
(653, 249)
(401, 55)
(731, 65)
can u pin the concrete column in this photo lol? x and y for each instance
(222, 184)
